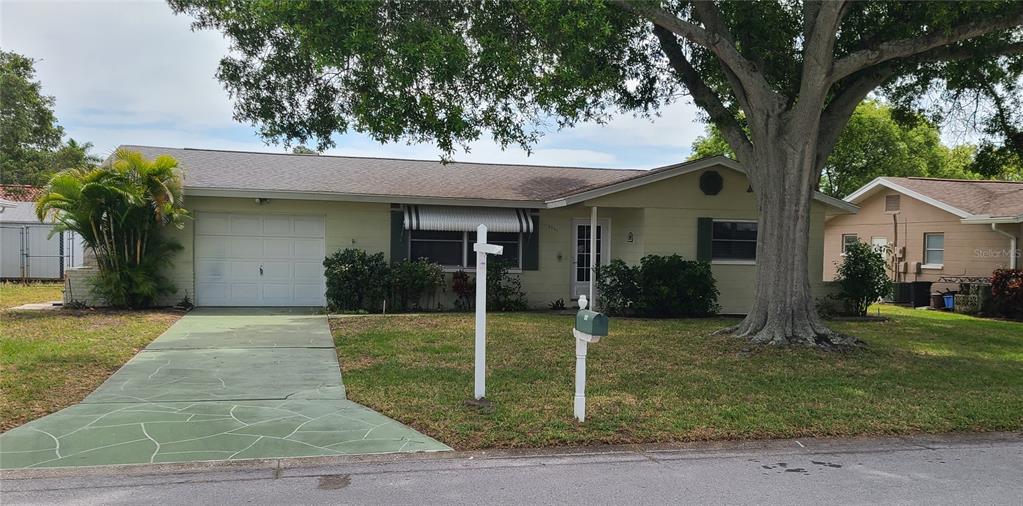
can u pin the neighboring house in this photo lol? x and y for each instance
(937, 228)
(264, 222)
(28, 250)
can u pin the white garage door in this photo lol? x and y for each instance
(259, 260)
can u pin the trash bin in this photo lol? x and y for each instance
(921, 293)
(949, 300)
(937, 301)
(903, 293)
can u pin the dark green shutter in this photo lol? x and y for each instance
(704, 234)
(531, 247)
(399, 237)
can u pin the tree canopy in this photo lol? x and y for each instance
(874, 144)
(779, 79)
(31, 147)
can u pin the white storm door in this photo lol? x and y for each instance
(259, 260)
(581, 254)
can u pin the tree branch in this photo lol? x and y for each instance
(704, 96)
(904, 48)
(818, 52)
(708, 14)
(753, 81)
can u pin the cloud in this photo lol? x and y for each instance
(134, 73)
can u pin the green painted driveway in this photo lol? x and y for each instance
(220, 384)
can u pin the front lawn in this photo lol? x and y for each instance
(17, 294)
(671, 380)
(52, 359)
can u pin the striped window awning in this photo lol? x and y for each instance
(466, 219)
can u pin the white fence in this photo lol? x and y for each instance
(28, 252)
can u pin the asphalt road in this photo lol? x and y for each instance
(984, 469)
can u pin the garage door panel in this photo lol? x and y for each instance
(277, 248)
(211, 269)
(231, 249)
(276, 271)
(216, 224)
(245, 247)
(308, 271)
(276, 226)
(308, 249)
(246, 225)
(213, 246)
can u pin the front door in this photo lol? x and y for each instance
(581, 254)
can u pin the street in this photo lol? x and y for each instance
(970, 469)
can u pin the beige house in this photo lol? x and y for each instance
(264, 222)
(938, 229)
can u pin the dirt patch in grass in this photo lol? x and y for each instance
(52, 359)
(673, 380)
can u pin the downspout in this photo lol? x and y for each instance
(1013, 240)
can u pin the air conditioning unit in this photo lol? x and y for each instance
(915, 266)
(903, 267)
(900, 253)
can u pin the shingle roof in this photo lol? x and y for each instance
(239, 170)
(20, 192)
(985, 198)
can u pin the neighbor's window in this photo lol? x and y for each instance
(454, 249)
(734, 240)
(934, 249)
(849, 240)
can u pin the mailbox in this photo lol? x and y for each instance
(591, 323)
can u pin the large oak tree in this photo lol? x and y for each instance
(779, 79)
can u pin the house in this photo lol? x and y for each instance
(940, 230)
(264, 222)
(28, 248)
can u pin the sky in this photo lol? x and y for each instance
(133, 72)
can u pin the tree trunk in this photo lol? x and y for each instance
(784, 176)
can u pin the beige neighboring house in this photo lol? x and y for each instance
(938, 228)
(264, 222)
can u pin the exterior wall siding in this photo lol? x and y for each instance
(970, 249)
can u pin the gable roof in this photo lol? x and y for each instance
(970, 200)
(20, 192)
(211, 172)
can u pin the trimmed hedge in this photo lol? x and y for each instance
(659, 287)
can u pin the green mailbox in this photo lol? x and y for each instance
(591, 323)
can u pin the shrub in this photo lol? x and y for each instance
(660, 286)
(862, 278)
(464, 289)
(411, 280)
(1007, 292)
(356, 280)
(672, 287)
(504, 291)
(618, 286)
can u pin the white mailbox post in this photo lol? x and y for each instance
(482, 249)
(589, 327)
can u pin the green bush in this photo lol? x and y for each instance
(504, 291)
(862, 278)
(660, 287)
(356, 280)
(618, 286)
(410, 280)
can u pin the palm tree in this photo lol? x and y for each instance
(118, 210)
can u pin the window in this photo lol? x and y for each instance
(849, 240)
(892, 203)
(734, 240)
(454, 249)
(934, 249)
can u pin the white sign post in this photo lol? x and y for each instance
(482, 249)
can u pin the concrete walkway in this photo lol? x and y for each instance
(220, 384)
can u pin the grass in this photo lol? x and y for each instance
(52, 359)
(16, 294)
(671, 380)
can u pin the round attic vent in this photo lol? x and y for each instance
(711, 182)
